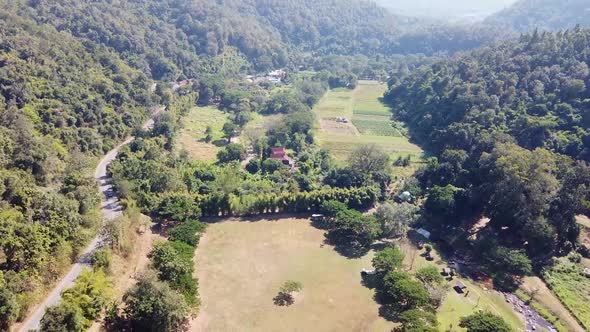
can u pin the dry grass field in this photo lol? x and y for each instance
(241, 266)
(192, 135)
(369, 122)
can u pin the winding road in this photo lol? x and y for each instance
(111, 209)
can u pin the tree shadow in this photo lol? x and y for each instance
(220, 142)
(283, 299)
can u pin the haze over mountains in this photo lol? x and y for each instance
(453, 10)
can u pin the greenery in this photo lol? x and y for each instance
(152, 305)
(508, 143)
(285, 295)
(484, 322)
(388, 259)
(81, 304)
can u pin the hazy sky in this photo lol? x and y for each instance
(446, 9)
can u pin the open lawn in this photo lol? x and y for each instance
(241, 266)
(369, 122)
(192, 135)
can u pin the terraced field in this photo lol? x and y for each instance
(369, 121)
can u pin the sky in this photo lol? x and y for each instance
(455, 10)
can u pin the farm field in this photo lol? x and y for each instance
(569, 284)
(241, 266)
(369, 122)
(192, 135)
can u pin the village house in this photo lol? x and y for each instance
(280, 154)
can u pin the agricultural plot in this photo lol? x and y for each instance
(567, 281)
(192, 135)
(369, 122)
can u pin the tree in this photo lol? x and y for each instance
(232, 152)
(285, 295)
(9, 308)
(170, 262)
(229, 130)
(388, 259)
(403, 292)
(417, 320)
(90, 294)
(65, 317)
(368, 159)
(395, 219)
(442, 201)
(354, 230)
(484, 322)
(429, 275)
(513, 261)
(188, 232)
(152, 306)
(101, 259)
(208, 134)
(179, 207)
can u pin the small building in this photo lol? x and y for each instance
(446, 271)
(423, 232)
(587, 272)
(280, 154)
(341, 119)
(366, 272)
(460, 287)
(406, 197)
(276, 76)
(317, 217)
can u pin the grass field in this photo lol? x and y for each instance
(370, 122)
(541, 298)
(192, 135)
(572, 288)
(242, 265)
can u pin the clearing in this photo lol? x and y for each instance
(192, 135)
(369, 121)
(241, 266)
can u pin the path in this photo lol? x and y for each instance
(111, 209)
(533, 321)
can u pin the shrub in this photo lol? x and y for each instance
(188, 232)
(101, 259)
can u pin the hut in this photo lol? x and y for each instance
(460, 287)
(446, 271)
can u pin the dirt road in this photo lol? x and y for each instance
(111, 209)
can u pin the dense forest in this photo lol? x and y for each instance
(527, 15)
(508, 129)
(507, 126)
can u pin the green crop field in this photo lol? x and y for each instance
(569, 284)
(369, 122)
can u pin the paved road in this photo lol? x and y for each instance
(111, 209)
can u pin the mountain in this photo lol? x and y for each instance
(506, 124)
(527, 15)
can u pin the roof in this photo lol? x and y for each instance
(461, 285)
(278, 153)
(423, 232)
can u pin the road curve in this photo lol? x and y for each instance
(111, 209)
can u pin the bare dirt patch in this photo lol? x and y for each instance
(331, 126)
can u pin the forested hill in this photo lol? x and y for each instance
(527, 15)
(167, 39)
(470, 110)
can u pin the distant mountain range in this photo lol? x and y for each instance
(526, 15)
(448, 10)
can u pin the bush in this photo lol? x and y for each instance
(101, 259)
(171, 261)
(188, 232)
